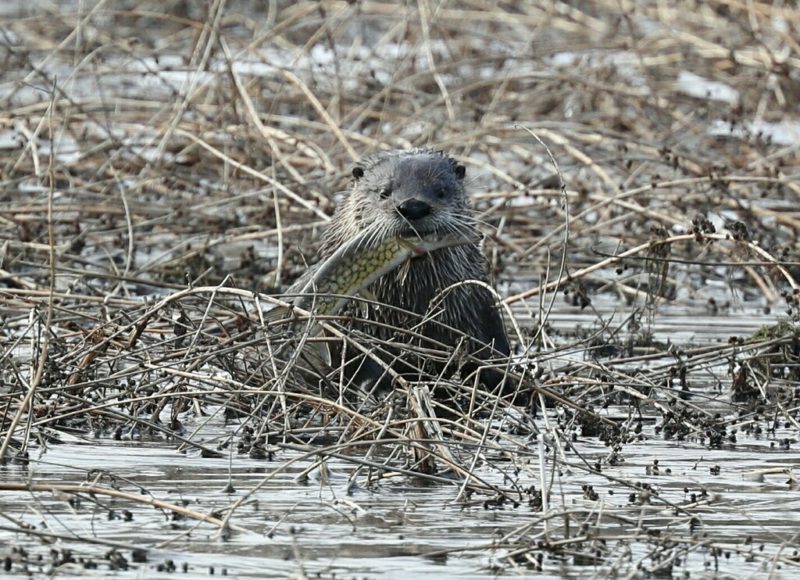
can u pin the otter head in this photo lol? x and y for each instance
(410, 192)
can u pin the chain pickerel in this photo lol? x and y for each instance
(360, 262)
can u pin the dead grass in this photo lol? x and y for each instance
(167, 168)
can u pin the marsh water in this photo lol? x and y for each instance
(151, 148)
(743, 493)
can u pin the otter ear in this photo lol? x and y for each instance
(460, 171)
(358, 172)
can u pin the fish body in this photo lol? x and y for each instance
(354, 266)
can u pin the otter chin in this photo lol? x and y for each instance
(421, 192)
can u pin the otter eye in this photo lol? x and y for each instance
(358, 172)
(385, 192)
(460, 171)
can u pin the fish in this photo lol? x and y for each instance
(354, 266)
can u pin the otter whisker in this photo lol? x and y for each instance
(410, 225)
(459, 226)
(427, 294)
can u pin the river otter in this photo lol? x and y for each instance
(421, 192)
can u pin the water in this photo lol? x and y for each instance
(739, 497)
(693, 485)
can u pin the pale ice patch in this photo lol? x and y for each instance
(394, 51)
(563, 59)
(521, 201)
(168, 63)
(625, 62)
(31, 186)
(780, 24)
(322, 55)
(702, 88)
(67, 149)
(178, 79)
(119, 131)
(649, 27)
(254, 68)
(10, 140)
(150, 64)
(151, 154)
(383, 76)
(786, 132)
(722, 218)
(628, 64)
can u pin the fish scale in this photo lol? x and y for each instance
(359, 263)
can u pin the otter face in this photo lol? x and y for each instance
(414, 192)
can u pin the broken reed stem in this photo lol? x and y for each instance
(642, 248)
(228, 166)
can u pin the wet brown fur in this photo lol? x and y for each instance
(380, 185)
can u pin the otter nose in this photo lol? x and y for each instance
(414, 209)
